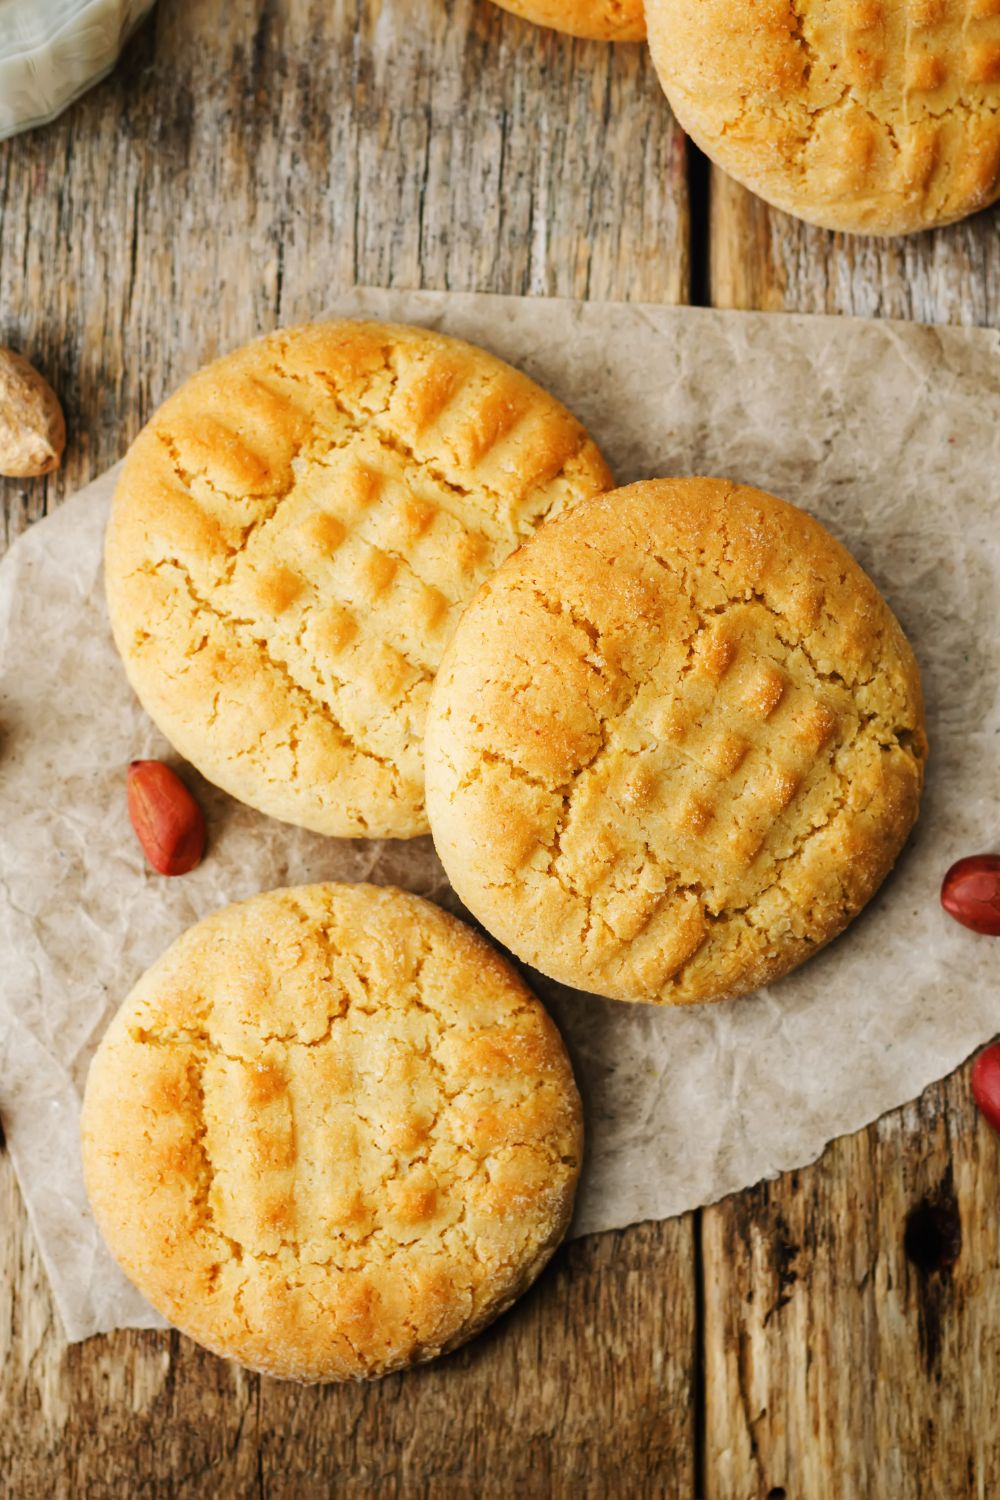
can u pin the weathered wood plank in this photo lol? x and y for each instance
(247, 159)
(845, 1355)
(763, 259)
(852, 1321)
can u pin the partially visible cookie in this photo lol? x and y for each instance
(294, 534)
(860, 115)
(602, 20)
(331, 1133)
(675, 744)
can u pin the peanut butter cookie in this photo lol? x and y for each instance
(331, 1133)
(292, 539)
(860, 115)
(602, 20)
(675, 744)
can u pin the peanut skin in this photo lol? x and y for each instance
(986, 1084)
(32, 427)
(168, 822)
(970, 893)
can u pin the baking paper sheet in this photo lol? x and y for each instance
(890, 434)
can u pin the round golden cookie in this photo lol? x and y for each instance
(292, 538)
(861, 115)
(331, 1133)
(601, 20)
(675, 744)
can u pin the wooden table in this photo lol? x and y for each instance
(832, 1334)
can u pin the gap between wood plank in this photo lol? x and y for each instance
(699, 170)
(698, 1375)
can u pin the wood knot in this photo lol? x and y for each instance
(933, 1236)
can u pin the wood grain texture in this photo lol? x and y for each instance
(852, 1317)
(247, 159)
(852, 1310)
(760, 258)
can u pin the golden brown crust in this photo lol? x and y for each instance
(331, 1133)
(861, 115)
(675, 744)
(292, 537)
(601, 20)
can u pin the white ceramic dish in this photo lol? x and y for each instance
(51, 51)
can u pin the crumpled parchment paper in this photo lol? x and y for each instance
(890, 433)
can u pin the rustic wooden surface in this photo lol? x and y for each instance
(833, 1334)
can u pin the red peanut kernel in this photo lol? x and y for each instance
(167, 820)
(970, 892)
(986, 1084)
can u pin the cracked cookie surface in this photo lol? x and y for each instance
(675, 744)
(331, 1133)
(292, 538)
(600, 20)
(862, 115)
